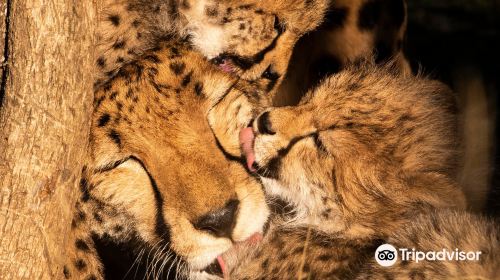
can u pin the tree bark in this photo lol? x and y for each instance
(3, 36)
(44, 124)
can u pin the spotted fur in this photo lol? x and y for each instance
(253, 38)
(366, 158)
(157, 176)
(147, 107)
(163, 171)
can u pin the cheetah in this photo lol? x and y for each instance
(367, 158)
(163, 169)
(256, 38)
(131, 35)
(253, 38)
(156, 174)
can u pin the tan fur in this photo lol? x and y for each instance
(255, 37)
(151, 143)
(156, 112)
(153, 129)
(305, 253)
(359, 159)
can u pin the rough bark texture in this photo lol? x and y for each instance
(44, 124)
(3, 36)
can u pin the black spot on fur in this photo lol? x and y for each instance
(298, 250)
(91, 277)
(119, 44)
(97, 217)
(369, 15)
(153, 58)
(118, 228)
(81, 245)
(212, 11)
(130, 93)
(80, 215)
(185, 4)
(245, 7)
(120, 60)
(80, 264)
(84, 188)
(174, 52)
(115, 19)
(113, 95)
(187, 79)
(259, 11)
(326, 213)
(103, 120)
(66, 272)
(119, 106)
(198, 89)
(177, 67)
(101, 62)
(265, 264)
(335, 18)
(136, 23)
(115, 137)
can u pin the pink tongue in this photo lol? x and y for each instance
(223, 267)
(246, 141)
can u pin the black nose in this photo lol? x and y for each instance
(219, 222)
(264, 124)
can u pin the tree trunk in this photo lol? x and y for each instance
(3, 36)
(44, 124)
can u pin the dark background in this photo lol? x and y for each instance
(457, 42)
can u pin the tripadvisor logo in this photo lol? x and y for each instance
(387, 255)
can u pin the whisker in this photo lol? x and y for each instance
(133, 264)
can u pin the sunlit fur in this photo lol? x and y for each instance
(366, 158)
(262, 34)
(156, 167)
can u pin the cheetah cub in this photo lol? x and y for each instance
(366, 158)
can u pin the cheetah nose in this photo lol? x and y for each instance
(219, 222)
(247, 138)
